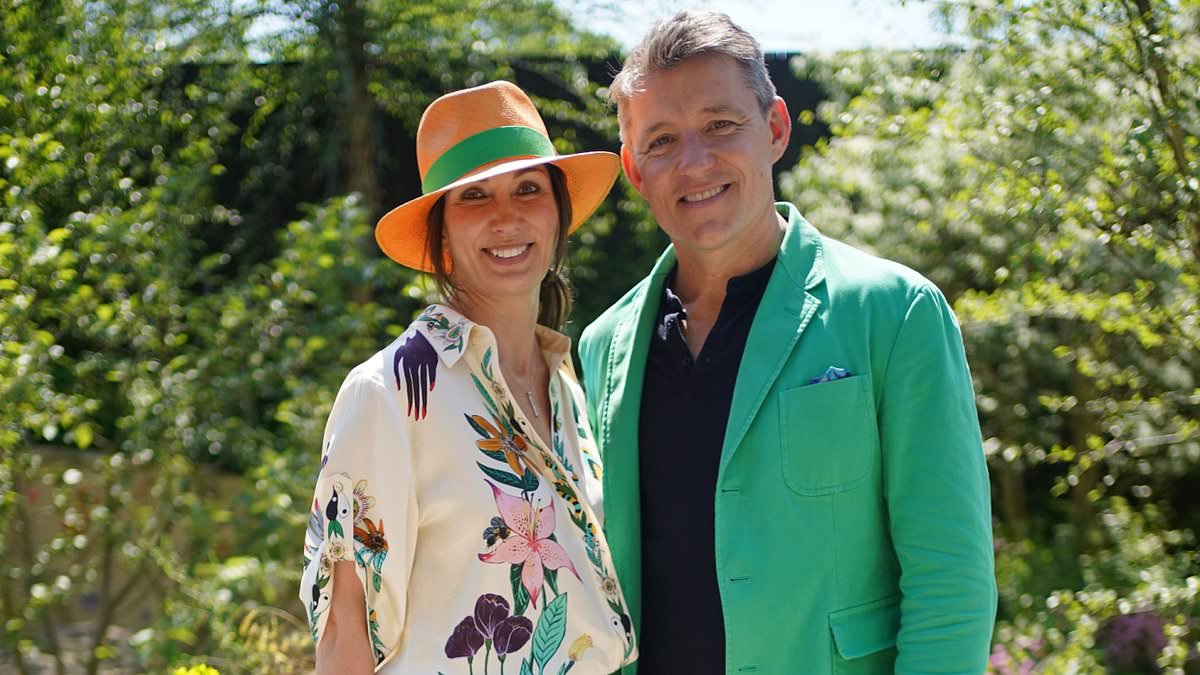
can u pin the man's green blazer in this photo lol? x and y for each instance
(852, 517)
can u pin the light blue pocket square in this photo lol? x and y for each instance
(832, 373)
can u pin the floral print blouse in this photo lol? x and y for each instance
(478, 545)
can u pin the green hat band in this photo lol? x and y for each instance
(482, 148)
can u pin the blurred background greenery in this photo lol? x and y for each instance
(187, 272)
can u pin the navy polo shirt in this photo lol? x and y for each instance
(685, 407)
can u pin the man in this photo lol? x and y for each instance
(794, 476)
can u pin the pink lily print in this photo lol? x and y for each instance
(529, 543)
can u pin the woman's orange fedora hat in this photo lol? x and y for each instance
(478, 133)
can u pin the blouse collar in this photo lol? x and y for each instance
(452, 334)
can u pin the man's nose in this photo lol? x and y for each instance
(694, 155)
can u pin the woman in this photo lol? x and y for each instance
(467, 435)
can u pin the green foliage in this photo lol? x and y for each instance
(168, 307)
(1046, 176)
(196, 670)
(1135, 610)
(187, 272)
(105, 184)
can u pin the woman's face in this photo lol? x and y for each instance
(501, 234)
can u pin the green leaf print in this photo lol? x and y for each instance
(508, 478)
(520, 595)
(579, 426)
(487, 398)
(551, 628)
(494, 454)
(526, 669)
(529, 482)
(478, 429)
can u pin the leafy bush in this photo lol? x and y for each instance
(1135, 612)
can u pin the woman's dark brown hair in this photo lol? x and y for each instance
(556, 297)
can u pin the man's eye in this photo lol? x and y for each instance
(659, 142)
(722, 124)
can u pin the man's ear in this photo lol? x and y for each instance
(780, 124)
(630, 167)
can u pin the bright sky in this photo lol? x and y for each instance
(779, 25)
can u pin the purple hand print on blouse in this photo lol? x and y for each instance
(420, 371)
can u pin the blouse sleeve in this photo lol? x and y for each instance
(365, 482)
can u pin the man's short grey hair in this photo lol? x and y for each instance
(692, 33)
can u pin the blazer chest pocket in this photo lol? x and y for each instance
(829, 436)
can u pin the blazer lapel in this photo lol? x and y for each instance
(782, 317)
(619, 416)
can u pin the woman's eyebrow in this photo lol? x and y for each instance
(522, 172)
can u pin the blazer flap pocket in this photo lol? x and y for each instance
(866, 629)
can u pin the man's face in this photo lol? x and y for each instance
(699, 148)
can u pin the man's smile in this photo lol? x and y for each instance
(706, 194)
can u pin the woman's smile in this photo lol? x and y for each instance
(510, 253)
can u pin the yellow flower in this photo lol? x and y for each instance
(579, 646)
(609, 585)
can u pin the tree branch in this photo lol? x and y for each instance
(1174, 132)
(21, 522)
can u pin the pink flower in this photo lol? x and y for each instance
(529, 545)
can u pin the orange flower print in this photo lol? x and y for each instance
(371, 537)
(372, 549)
(498, 441)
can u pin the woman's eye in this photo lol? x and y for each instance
(528, 188)
(472, 193)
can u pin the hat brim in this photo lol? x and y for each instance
(402, 232)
